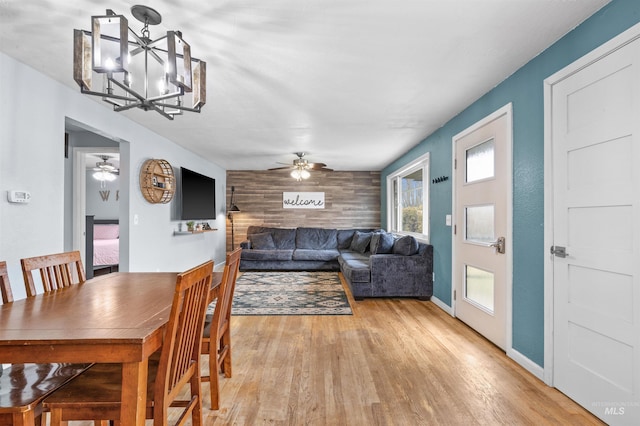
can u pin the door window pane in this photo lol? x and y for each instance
(479, 287)
(479, 224)
(479, 161)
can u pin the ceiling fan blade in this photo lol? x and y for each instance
(317, 166)
(281, 168)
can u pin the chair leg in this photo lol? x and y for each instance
(196, 413)
(214, 383)
(225, 344)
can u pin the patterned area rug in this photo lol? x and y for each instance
(289, 293)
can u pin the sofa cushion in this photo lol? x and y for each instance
(381, 243)
(317, 239)
(354, 255)
(262, 241)
(283, 238)
(267, 255)
(344, 238)
(405, 246)
(360, 241)
(355, 270)
(309, 254)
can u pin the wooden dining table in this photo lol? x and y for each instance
(113, 318)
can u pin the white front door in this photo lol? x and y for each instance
(482, 240)
(593, 121)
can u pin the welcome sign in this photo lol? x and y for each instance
(303, 200)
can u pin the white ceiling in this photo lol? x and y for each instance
(355, 83)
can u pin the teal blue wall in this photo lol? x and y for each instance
(525, 90)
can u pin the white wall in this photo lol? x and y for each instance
(102, 198)
(32, 129)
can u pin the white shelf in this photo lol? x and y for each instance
(193, 232)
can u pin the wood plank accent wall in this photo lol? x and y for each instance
(352, 199)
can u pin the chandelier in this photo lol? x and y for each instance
(135, 71)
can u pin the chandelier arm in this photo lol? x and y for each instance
(119, 108)
(138, 40)
(180, 107)
(101, 94)
(155, 56)
(145, 106)
(161, 112)
(155, 99)
(153, 42)
(148, 47)
(126, 89)
(141, 49)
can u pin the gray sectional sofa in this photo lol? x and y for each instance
(374, 263)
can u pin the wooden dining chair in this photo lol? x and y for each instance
(217, 332)
(23, 387)
(95, 394)
(5, 285)
(56, 271)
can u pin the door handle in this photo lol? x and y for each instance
(499, 245)
(559, 251)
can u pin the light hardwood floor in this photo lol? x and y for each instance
(393, 362)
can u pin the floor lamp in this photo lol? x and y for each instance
(232, 209)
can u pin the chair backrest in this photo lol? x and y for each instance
(5, 285)
(180, 357)
(56, 271)
(222, 313)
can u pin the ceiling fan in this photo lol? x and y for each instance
(105, 171)
(301, 167)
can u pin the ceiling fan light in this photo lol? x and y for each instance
(296, 174)
(104, 175)
(304, 174)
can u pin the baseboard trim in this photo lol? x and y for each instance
(526, 363)
(440, 304)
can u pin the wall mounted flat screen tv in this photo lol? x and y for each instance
(198, 195)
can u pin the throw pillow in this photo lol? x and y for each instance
(384, 244)
(405, 246)
(262, 241)
(375, 242)
(360, 241)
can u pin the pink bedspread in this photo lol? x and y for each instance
(105, 252)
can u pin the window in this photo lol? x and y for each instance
(408, 199)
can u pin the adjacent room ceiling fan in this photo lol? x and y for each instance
(302, 167)
(105, 171)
